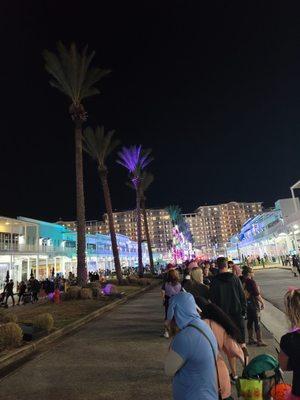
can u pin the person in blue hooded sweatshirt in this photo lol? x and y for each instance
(190, 360)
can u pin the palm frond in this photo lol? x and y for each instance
(175, 213)
(146, 179)
(71, 72)
(98, 144)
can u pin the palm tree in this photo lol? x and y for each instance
(175, 214)
(99, 146)
(146, 180)
(73, 76)
(135, 160)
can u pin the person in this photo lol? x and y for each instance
(169, 288)
(195, 285)
(236, 270)
(295, 265)
(226, 291)
(255, 304)
(227, 335)
(289, 355)
(9, 291)
(191, 357)
(34, 288)
(22, 290)
(214, 269)
(206, 274)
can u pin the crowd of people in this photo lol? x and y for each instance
(208, 307)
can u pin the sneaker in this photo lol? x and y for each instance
(233, 378)
(251, 341)
(166, 335)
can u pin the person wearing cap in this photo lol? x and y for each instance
(191, 357)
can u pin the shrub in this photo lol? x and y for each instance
(97, 293)
(65, 296)
(144, 282)
(113, 281)
(94, 285)
(74, 292)
(9, 318)
(133, 279)
(11, 335)
(86, 293)
(44, 322)
(149, 275)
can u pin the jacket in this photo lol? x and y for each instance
(226, 291)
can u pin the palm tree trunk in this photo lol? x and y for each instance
(147, 234)
(80, 207)
(114, 245)
(139, 233)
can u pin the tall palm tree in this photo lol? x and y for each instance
(146, 180)
(99, 146)
(135, 161)
(73, 76)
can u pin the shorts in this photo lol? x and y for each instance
(239, 322)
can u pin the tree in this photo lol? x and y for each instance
(146, 180)
(135, 161)
(73, 76)
(99, 146)
(175, 214)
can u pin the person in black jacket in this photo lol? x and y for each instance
(226, 291)
(9, 292)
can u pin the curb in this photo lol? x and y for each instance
(7, 361)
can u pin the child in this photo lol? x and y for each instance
(289, 356)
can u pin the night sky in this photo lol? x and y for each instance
(213, 90)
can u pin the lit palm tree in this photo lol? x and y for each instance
(99, 146)
(73, 76)
(146, 180)
(135, 161)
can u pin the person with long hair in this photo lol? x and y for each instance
(195, 284)
(227, 335)
(169, 288)
(289, 356)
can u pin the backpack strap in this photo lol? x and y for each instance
(214, 355)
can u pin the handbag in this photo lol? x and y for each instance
(214, 354)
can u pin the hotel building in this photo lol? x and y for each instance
(159, 224)
(212, 226)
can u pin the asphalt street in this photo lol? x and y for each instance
(274, 283)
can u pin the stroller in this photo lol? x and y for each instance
(258, 378)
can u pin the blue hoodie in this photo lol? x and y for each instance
(196, 379)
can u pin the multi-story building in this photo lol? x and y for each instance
(212, 226)
(159, 224)
(274, 233)
(31, 246)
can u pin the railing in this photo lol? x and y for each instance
(14, 248)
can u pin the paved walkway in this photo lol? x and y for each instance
(118, 356)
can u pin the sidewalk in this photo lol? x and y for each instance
(119, 356)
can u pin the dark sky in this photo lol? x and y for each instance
(213, 90)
